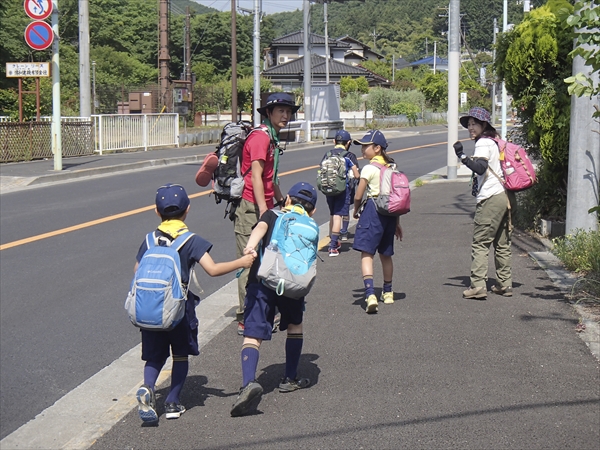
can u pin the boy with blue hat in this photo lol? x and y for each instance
(339, 205)
(259, 311)
(172, 206)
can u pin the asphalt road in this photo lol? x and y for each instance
(62, 317)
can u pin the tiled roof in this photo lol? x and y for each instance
(297, 38)
(318, 67)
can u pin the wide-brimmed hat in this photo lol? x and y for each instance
(478, 113)
(372, 137)
(279, 98)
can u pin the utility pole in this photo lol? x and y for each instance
(453, 72)
(504, 96)
(163, 55)
(256, 48)
(84, 58)
(234, 92)
(375, 36)
(494, 76)
(584, 151)
(307, 70)
(56, 135)
(326, 43)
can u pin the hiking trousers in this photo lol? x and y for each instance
(492, 226)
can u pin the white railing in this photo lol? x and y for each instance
(128, 131)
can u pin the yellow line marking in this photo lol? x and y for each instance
(151, 207)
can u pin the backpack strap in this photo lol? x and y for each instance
(151, 240)
(181, 240)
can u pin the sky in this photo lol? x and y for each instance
(268, 6)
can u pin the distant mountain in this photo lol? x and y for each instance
(194, 7)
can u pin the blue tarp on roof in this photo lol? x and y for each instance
(429, 61)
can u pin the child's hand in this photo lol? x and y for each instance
(250, 251)
(398, 232)
(247, 261)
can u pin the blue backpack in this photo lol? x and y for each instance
(289, 263)
(156, 299)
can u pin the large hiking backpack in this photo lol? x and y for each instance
(394, 192)
(516, 166)
(227, 175)
(332, 176)
(156, 299)
(289, 262)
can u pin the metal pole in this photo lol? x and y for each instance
(326, 43)
(494, 77)
(257, 12)
(234, 93)
(307, 70)
(56, 136)
(453, 72)
(504, 96)
(84, 59)
(94, 104)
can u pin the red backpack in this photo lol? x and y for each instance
(517, 168)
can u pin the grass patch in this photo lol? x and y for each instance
(419, 182)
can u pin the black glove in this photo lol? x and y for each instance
(458, 149)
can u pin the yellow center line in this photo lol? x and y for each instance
(92, 223)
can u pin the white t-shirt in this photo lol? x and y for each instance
(489, 185)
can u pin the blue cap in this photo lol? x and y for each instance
(304, 191)
(171, 200)
(343, 135)
(373, 137)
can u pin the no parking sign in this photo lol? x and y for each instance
(39, 35)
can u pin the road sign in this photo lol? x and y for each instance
(38, 9)
(37, 69)
(39, 35)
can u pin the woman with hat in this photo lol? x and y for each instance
(492, 213)
(260, 160)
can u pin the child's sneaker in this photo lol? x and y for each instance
(248, 399)
(344, 236)
(174, 410)
(240, 329)
(371, 304)
(146, 404)
(289, 385)
(276, 322)
(334, 252)
(387, 298)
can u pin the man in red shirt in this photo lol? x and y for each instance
(260, 160)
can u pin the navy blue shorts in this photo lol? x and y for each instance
(374, 232)
(180, 341)
(259, 311)
(338, 205)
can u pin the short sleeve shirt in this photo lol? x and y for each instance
(258, 147)
(192, 252)
(489, 185)
(371, 173)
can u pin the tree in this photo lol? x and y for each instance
(435, 89)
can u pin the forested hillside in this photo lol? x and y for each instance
(124, 37)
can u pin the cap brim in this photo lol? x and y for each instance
(357, 142)
(263, 110)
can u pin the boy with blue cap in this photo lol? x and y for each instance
(172, 206)
(339, 205)
(259, 311)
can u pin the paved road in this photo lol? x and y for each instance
(432, 370)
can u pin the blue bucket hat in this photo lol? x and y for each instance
(372, 137)
(279, 98)
(304, 191)
(171, 200)
(478, 113)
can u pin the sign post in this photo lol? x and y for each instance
(22, 70)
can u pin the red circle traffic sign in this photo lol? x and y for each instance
(38, 9)
(39, 35)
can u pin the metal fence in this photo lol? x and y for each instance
(25, 141)
(132, 131)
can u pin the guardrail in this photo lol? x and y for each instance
(129, 131)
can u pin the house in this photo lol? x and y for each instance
(290, 75)
(434, 63)
(291, 47)
(358, 52)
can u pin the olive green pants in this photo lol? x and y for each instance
(246, 216)
(492, 226)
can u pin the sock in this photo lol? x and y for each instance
(369, 286)
(345, 223)
(387, 286)
(179, 373)
(333, 240)
(293, 349)
(250, 356)
(151, 372)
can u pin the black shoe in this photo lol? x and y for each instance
(289, 385)
(174, 410)
(248, 399)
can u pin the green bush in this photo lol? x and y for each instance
(579, 252)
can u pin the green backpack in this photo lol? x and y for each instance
(331, 176)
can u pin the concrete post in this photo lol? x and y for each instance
(453, 73)
(56, 131)
(256, 48)
(84, 59)
(307, 70)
